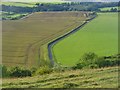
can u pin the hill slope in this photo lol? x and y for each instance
(86, 78)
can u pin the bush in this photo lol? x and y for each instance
(3, 71)
(43, 70)
(78, 66)
(102, 62)
(87, 60)
(19, 72)
(58, 68)
(33, 70)
(91, 60)
(70, 85)
(93, 66)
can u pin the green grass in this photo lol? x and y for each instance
(99, 36)
(12, 15)
(21, 4)
(107, 8)
(23, 40)
(85, 78)
(31, 3)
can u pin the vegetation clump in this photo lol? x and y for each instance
(91, 60)
(70, 85)
(43, 70)
(19, 72)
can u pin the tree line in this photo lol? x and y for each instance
(74, 6)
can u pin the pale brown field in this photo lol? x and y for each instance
(24, 41)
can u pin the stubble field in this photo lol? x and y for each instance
(23, 39)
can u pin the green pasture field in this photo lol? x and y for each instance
(99, 36)
(108, 8)
(31, 3)
(86, 78)
(24, 41)
(20, 4)
(12, 15)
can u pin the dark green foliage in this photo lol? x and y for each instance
(80, 6)
(92, 66)
(0, 70)
(3, 71)
(33, 70)
(113, 9)
(78, 66)
(58, 68)
(19, 72)
(43, 70)
(70, 85)
(105, 62)
(91, 60)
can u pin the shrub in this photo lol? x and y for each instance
(102, 62)
(69, 85)
(93, 66)
(91, 60)
(0, 71)
(33, 70)
(43, 70)
(78, 66)
(19, 72)
(58, 68)
(3, 71)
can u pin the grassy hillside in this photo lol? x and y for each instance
(86, 78)
(23, 39)
(99, 36)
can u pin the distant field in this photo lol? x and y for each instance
(21, 4)
(12, 15)
(86, 78)
(108, 8)
(99, 36)
(23, 40)
(31, 3)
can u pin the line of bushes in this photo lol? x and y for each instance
(91, 60)
(23, 72)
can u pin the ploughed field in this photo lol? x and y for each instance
(99, 36)
(23, 39)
